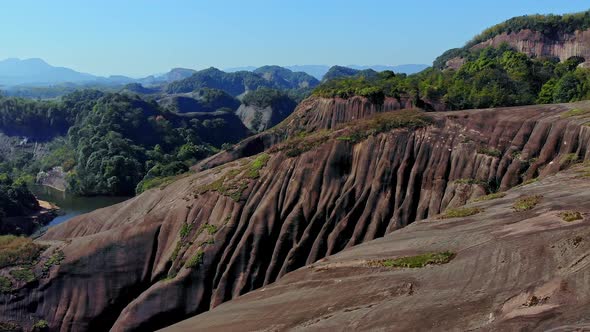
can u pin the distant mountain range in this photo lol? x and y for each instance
(318, 71)
(37, 72)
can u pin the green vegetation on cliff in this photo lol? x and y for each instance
(548, 25)
(490, 77)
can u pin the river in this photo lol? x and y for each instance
(70, 205)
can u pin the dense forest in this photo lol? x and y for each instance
(490, 77)
(109, 143)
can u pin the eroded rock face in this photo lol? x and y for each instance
(512, 271)
(311, 115)
(535, 44)
(174, 252)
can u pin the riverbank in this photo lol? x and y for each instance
(28, 224)
(71, 205)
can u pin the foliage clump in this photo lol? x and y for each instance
(24, 275)
(569, 216)
(384, 122)
(16, 251)
(490, 152)
(196, 260)
(569, 159)
(185, 230)
(233, 183)
(55, 259)
(527, 182)
(41, 325)
(460, 212)
(5, 285)
(257, 165)
(490, 197)
(15, 197)
(210, 229)
(575, 112)
(416, 261)
(526, 203)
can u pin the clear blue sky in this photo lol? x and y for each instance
(136, 38)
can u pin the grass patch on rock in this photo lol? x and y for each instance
(17, 250)
(470, 182)
(55, 259)
(490, 197)
(41, 325)
(211, 229)
(569, 216)
(569, 159)
(489, 152)
(460, 212)
(574, 112)
(527, 182)
(257, 165)
(526, 203)
(302, 143)
(417, 261)
(384, 122)
(233, 183)
(24, 275)
(5, 284)
(10, 327)
(196, 260)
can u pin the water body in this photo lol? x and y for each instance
(70, 205)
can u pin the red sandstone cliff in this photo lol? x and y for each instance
(536, 44)
(176, 251)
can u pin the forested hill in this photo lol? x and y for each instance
(551, 36)
(488, 77)
(237, 83)
(115, 141)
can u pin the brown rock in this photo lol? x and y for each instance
(177, 251)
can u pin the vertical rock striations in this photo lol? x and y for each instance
(330, 181)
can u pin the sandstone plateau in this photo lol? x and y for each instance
(335, 174)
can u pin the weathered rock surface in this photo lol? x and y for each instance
(311, 115)
(209, 237)
(536, 44)
(259, 119)
(54, 178)
(513, 271)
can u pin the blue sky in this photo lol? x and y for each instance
(136, 38)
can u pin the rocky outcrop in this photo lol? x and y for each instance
(536, 44)
(313, 114)
(28, 224)
(209, 237)
(54, 178)
(258, 119)
(512, 271)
